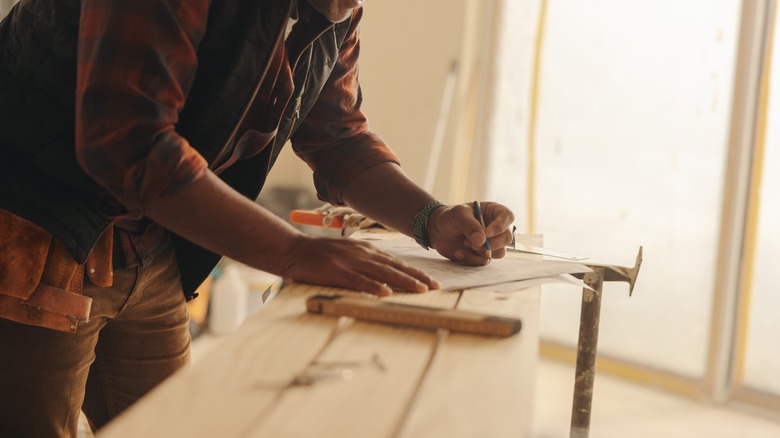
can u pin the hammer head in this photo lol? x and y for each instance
(620, 273)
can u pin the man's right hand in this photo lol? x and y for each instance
(215, 216)
(352, 264)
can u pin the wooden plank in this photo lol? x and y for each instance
(456, 385)
(481, 386)
(229, 389)
(440, 299)
(372, 402)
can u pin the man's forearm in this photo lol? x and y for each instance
(386, 194)
(213, 215)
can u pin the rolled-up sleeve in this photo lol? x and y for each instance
(136, 63)
(334, 139)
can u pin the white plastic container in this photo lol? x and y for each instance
(229, 299)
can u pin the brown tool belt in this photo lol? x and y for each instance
(41, 283)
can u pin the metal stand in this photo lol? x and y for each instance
(587, 344)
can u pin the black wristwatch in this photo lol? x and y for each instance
(421, 223)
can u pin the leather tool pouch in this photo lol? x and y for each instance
(41, 283)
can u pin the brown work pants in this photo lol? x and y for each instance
(136, 337)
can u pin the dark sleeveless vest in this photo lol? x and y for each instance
(40, 178)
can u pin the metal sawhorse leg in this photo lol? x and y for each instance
(588, 339)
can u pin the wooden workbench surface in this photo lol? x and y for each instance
(370, 380)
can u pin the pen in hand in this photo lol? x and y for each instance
(481, 220)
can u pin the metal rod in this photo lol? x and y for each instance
(586, 353)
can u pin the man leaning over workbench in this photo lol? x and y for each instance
(135, 135)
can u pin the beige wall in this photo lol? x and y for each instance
(407, 50)
(5, 6)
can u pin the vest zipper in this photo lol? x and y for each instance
(297, 113)
(298, 102)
